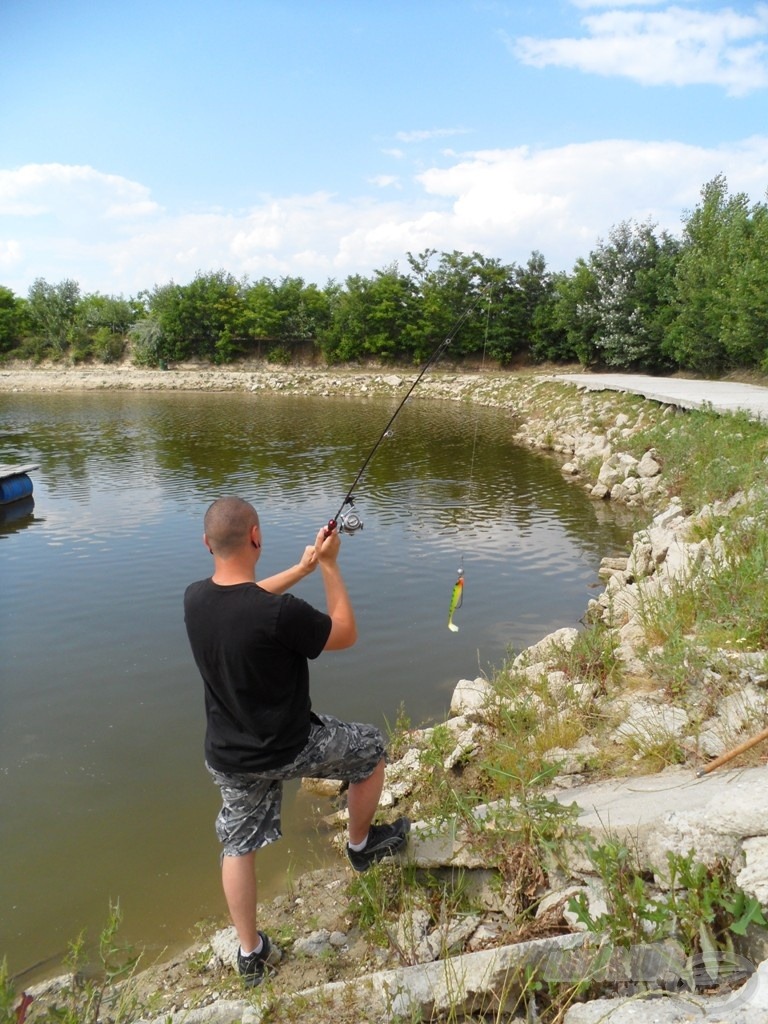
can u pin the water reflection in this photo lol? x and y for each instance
(17, 515)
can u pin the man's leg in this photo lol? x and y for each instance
(362, 801)
(238, 876)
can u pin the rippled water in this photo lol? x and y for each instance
(102, 790)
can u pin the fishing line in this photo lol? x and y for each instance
(457, 594)
(350, 522)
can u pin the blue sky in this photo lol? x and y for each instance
(145, 142)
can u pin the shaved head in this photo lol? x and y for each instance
(227, 525)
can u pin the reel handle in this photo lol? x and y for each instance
(330, 527)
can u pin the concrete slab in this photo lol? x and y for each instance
(719, 395)
(677, 812)
(629, 803)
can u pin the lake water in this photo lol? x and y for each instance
(103, 794)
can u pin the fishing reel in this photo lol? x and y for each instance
(346, 522)
(349, 522)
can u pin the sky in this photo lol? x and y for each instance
(148, 142)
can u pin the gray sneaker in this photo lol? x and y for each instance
(383, 841)
(252, 968)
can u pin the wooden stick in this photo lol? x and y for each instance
(730, 754)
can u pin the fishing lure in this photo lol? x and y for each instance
(456, 600)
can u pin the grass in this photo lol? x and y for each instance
(706, 457)
(99, 984)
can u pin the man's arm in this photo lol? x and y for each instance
(343, 626)
(282, 581)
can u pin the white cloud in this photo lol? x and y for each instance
(386, 181)
(503, 203)
(10, 253)
(37, 189)
(670, 47)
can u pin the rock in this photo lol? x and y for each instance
(753, 877)
(651, 724)
(224, 946)
(322, 787)
(449, 939)
(546, 647)
(411, 936)
(470, 697)
(745, 1005)
(648, 466)
(456, 986)
(317, 943)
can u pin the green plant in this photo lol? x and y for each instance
(441, 743)
(372, 897)
(279, 356)
(634, 914)
(528, 837)
(8, 998)
(707, 906)
(93, 992)
(108, 347)
(593, 657)
(702, 908)
(398, 738)
(148, 342)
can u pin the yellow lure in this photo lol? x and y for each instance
(456, 598)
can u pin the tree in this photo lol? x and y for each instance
(372, 317)
(745, 322)
(539, 330)
(206, 318)
(633, 272)
(101, 326)
(577, 311)
(13, 319)
(160, 335)
(52, 311)
(148, 343)
(449, 298)
(302, 313)
(719, 285)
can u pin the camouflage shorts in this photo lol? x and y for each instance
(251, 801)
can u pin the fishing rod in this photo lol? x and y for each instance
(350, 522)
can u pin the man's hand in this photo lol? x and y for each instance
(308, 561)
(327, 546)
(283, 581)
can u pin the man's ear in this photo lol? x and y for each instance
(205, 541)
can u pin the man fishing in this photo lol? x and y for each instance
(251, 643)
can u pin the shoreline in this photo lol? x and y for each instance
(447, 381)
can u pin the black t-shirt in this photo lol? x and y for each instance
(251, 648)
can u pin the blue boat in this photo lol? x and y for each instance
(15, 484)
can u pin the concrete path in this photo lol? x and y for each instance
(720, 395)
